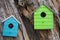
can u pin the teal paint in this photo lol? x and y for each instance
(10, 27)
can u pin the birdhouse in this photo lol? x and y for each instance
(43, 18)
(10, 26)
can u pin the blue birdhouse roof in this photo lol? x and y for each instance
(10, 17)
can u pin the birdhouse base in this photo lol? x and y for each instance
(9, 34)
(43, 28)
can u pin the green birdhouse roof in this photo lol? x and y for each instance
(43, 7)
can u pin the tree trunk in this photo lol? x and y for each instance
(23, 10)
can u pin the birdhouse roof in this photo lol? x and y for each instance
(44, 5)
(10, 17)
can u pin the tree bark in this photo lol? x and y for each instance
(23, 10)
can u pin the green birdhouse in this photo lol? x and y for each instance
(43, 18)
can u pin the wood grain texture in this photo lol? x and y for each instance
(10, 9)
(24, 13)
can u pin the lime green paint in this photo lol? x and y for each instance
(43, 22)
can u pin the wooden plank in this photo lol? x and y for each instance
(26, 31)
(10, 9)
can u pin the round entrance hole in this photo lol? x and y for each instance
(43, 14)
(10, 25)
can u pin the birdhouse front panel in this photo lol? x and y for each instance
(43, 18)
(10, 27)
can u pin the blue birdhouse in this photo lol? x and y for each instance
(10, 27)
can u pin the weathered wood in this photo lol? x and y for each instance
(23, 11)
(8, 8)
(48, 34)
